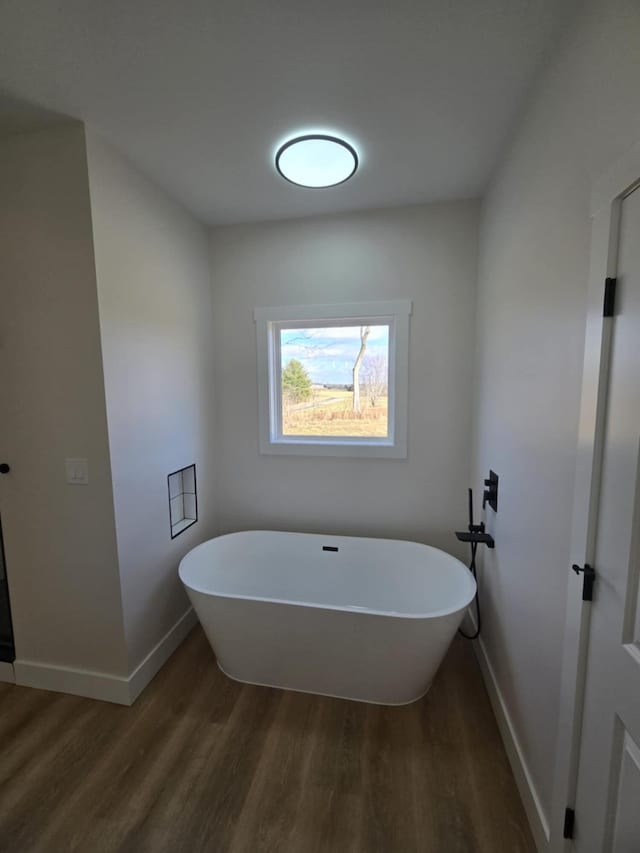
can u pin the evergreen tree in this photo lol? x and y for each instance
(296, 382)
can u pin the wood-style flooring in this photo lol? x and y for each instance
(202, 763)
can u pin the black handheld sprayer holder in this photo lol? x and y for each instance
(476, 532)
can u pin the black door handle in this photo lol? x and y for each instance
(589, 574)
(4, 468)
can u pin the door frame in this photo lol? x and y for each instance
(606, 201)
(7, 672)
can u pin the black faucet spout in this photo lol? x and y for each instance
(475, 533)
(476, 536)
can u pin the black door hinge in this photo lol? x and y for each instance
(609, 297)
(569, 820)
(589, 577)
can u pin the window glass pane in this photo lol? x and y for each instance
(335, 381)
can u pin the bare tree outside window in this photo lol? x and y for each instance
(376, 378)
(365, 331)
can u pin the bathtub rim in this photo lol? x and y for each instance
(351, 608)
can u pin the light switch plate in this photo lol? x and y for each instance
(77, 471)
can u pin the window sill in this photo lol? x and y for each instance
(347, 448)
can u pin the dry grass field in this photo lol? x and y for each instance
(329, 412)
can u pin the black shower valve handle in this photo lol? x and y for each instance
(490, 494)
(486, 495)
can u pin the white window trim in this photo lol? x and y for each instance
(396, 313)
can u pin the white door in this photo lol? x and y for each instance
(607, 813)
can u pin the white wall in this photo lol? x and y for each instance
(156, 326)
(60, 539)
(531, 312)
(427, 254)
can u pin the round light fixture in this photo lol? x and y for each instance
(316, 160)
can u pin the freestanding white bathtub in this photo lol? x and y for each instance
(365, 619)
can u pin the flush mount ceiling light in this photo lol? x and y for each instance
(316, 160)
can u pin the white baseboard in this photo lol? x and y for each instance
(78, 682)
(7, 675)
(122, 690)
(530, 799)
(160, 654)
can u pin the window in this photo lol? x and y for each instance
(332, 379)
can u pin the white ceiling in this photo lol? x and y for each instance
(199, 92)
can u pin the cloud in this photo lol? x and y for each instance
(377, 333)
(333, 351)
(328, 353)
(325, 336)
